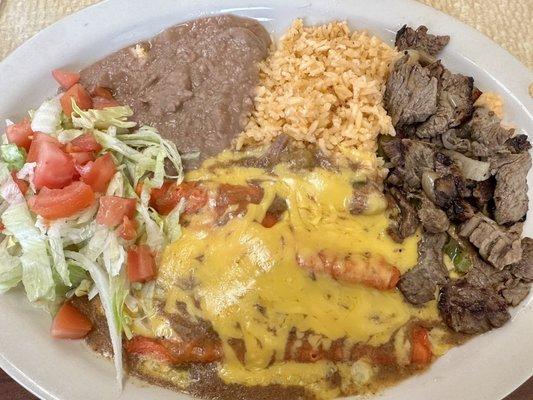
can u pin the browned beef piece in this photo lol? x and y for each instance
(482, 192)
(419, 284)
(432, 218)
(460, 210)
(450, 191)
(409, 158)
(405, 222)
(487, 134)
(454, 105)
(445, 191)
(410, 94)
(495, 245)
(470, 309)
(523, 269)
(515, 293)
(408, 38)
(510, 194)
(518, 144)
(457, 139)
(483, 136)
(503, 282)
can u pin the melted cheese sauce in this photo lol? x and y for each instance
(246, 282)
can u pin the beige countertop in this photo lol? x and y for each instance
(507, 22)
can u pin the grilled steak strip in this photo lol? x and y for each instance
(419, 284)
(419, 39)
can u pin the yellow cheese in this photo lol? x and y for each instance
(246, 282)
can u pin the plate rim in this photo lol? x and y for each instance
(522, 98)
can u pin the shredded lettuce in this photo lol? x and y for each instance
(114, 255)
(116, 185)
(13, 156)
(96, 244)
(148, 137)
(121, 291)
(36, 269)
(10, 267)
(154, 232)
(102, 119)
(47, 118)
(55, 243)
(75, 256)
(108, 299)
(27, 172)
(66, 135)
(172, 225)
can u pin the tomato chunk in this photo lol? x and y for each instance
(175, 352)
(127, 230)
(65, 78)
(54, 169)
(70, 323)
(113, 209)
(22, 184)
(85, 142)
(97, 174)
(269, 220)
(141, 264)
(144, 346)
(80, 95)
(20, 134)
(420, 346)
(83, 157)
(165, 199)
(62, 203)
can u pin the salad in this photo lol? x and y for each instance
(88, 201)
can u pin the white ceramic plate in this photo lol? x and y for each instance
(487, 367)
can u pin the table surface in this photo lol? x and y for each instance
(21, 19)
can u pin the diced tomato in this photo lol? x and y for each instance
(84, 142)
(55, 169)
(70, 323)
(127, 230)
(144, 346)
(100, 103)
(165, 199)
(113, 209)
(98, 173)
(269, 220)
(100, 91)
(43, 137)
(80, 95)
(20, 134)
(62, 203)
(420, 346)
(2, 227)
(175, 352)
(83, 157)
(65, 78)
(141, 264)
(22, 184)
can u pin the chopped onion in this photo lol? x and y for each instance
(428, 183)
(471, 169)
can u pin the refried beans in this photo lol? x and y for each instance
(194, 82)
